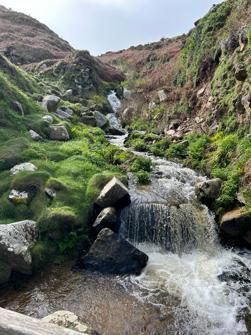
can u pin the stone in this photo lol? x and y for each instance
(18, 107)
(68, 320)
(112, 193)
(16, 240)
(162, 95)
(88, 118)
(64, 114)
(246, 102)
(208, 190)
(201, 92)
(24, 167)
(108, 218)
(51, 103)
(50, 192)
(59, 133)
(112, 254)
(48, 118)
(115, 131)
(241, 72)
(35, 136)
(101, 120)
(237, 223)
(127, 94)
(18, 197)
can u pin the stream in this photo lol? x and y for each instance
(191, 286)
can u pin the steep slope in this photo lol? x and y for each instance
(200, 106)
(25, 40)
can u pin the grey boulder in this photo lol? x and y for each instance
(50, 103)
(106, 219)
(208, 190)
(59, 133)
(35, 136)
(16, 240)
(112, 193)
(112, 254)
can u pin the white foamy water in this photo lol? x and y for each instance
(114, 101)
(206, 304)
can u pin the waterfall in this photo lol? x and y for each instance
(177, 229)
(114, 101)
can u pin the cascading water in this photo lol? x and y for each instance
(187, 265)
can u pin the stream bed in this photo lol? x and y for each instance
(191, 286)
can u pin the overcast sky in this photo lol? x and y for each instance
(103, 25)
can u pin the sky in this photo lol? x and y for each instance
(110, 25)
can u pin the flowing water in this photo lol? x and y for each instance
(191, 285)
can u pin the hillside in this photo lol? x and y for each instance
(194, 92)
(25, 40)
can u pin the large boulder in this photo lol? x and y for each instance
(113, 193)
(94, 119)
(59, 133)
(65, 115)
(208, 190)
(51, 103)
(68, 320)
(110, 253)
(237, 223)
(16, 240)
(24, 167)
(106, 219)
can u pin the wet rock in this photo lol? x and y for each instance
(113, 193)
(208, 190)
(110, 253)
(48, 118)
(19, 197)
(115, 131)
(59, 133)
(106, 219)
(241, 72)
(237, 272)
(51, 102)
(35, 136)
(68, 320)
(237, 223)
(24, 167)
(18, 107)
(16, 240)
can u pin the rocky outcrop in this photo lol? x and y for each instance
(51, 103)
(106, 219)
(65, 115)
(237, 224)
(59, 133)
(24, 167)
(113, 194)
(110, 253)
(68, 320)
(16, 240)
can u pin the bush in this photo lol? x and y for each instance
(141, 163)
(143, 177)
